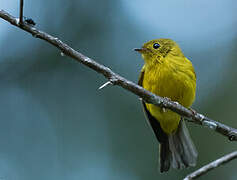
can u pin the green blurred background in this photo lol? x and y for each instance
(56, 124)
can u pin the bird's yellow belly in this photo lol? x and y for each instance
(177, 87)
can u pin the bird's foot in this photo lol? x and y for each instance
(163, 108)
(167, 99)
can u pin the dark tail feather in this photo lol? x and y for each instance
(179, 151)
(165, 156)
(176, 149)
(184, 153)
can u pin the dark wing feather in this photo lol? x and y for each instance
(155, 125)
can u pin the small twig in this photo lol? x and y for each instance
(21, 12)
(116, 79)
(211, 166)
(105, 84)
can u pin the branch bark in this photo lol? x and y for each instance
(205, 169)
(116, 79)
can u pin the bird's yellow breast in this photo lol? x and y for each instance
(174, 80)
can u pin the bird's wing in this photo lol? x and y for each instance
(152, 121)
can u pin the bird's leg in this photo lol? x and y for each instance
(163, 108)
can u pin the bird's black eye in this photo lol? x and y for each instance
(156, 46)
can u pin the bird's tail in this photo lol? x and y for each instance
(179, 151)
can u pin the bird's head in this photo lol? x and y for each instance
(158, 49)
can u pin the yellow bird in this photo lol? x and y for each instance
(168, 73)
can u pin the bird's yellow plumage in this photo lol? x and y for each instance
(167, 73)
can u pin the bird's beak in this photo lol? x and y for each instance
(141, 50)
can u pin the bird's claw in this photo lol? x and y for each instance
(167, 99)
(163, 109)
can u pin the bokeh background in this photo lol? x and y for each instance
(56, 124)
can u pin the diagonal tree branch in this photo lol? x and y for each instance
(116, 79)
(205, 169)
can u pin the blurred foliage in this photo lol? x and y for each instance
(56, 124)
